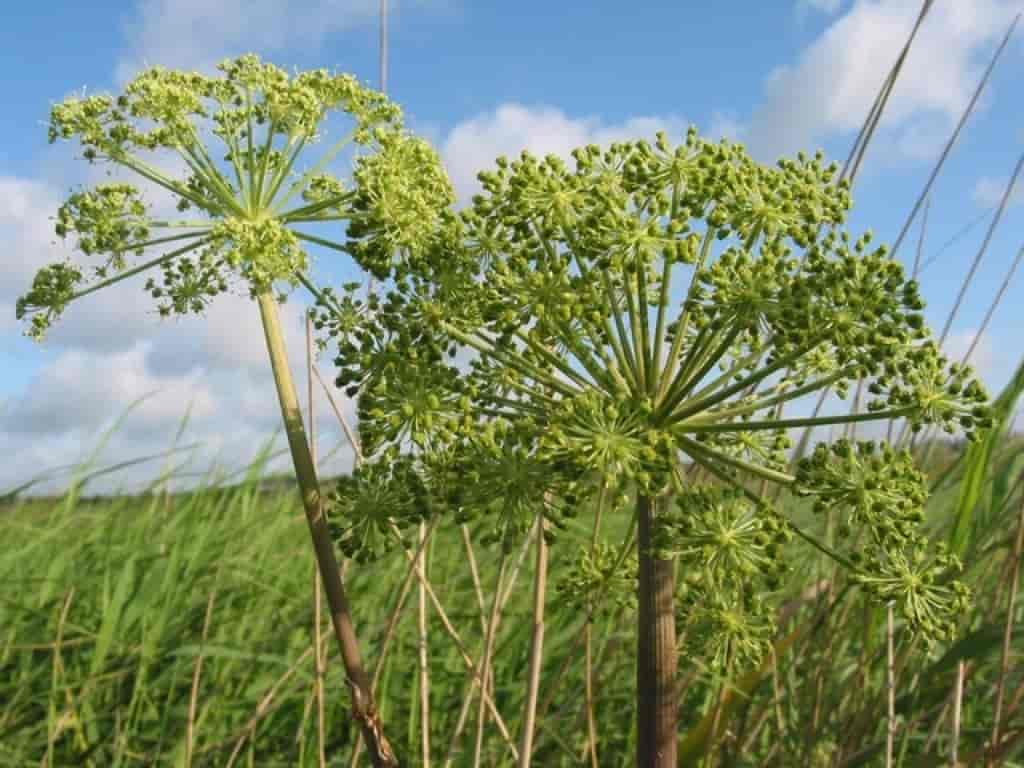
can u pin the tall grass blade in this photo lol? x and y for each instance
(978, 462)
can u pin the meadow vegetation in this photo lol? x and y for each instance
(112, 604)
(583, 594)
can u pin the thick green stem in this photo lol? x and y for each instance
(656, 649)
(364, 709)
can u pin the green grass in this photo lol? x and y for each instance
(104, 613)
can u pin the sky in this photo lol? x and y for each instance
(477, 80)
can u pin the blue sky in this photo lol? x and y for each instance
(479, 80)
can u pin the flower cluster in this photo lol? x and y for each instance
(721, 533)
(728, 631)
(264, 119)
(601, 579)
(263, 250)
(560, 286)
(189, 284)
(107, 220)
(941, 393)
(883, 491)
(52, 288)
(593, 431)
(730, 554)
(400, 192)
(365, 505)
(874, 485)
(508, 485)
(169, 98)
(922, 586)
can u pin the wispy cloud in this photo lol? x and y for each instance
(825, 6)
(832, 85)
(982, 358)
(989, 191)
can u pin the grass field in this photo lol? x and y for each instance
(176, 629)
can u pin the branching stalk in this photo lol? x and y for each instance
(364, 709)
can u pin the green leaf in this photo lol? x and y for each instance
(112, 615)
(977, 461)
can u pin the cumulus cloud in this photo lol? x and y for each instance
(473, 144)
(831, 87)
(79, 389)
(196, 34)
(73, 400)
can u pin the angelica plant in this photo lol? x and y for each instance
(246, 225)
(422, 432)
(560, 284)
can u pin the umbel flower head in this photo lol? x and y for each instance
(367, 503)
(561, 286)
(730, 551)
(603, 577)
(246, 219)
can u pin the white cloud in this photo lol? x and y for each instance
(79, 389)
(197, 34)
(473, 145)
(73, 400)
(825, 6)
(831, 87)
(988, 192)
(25, 206)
